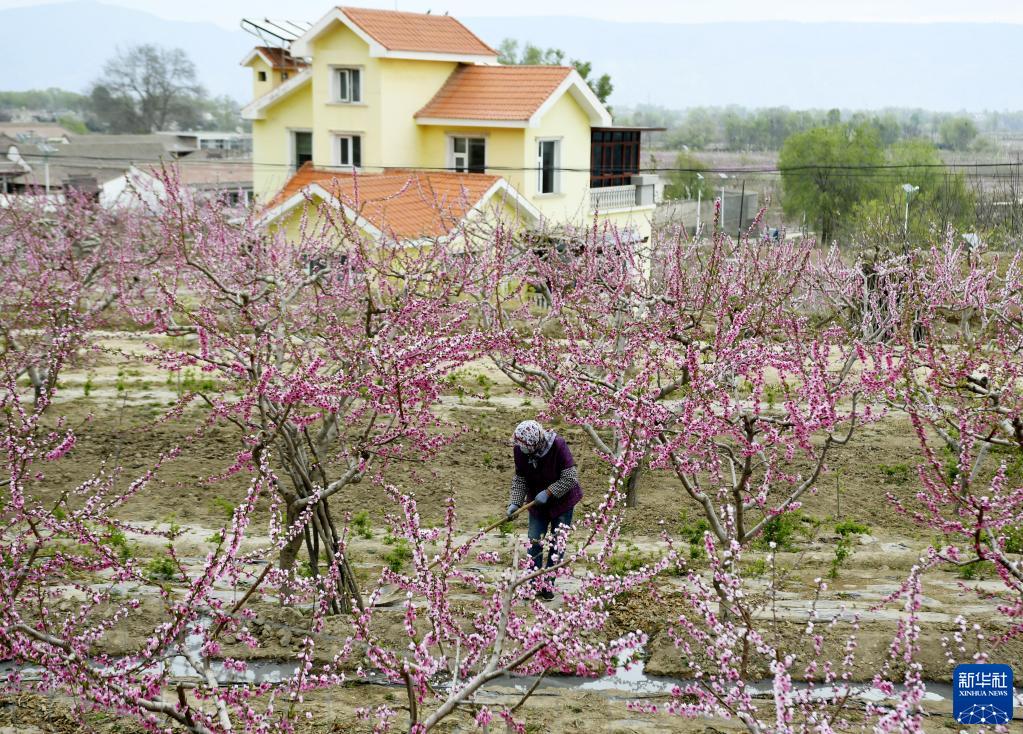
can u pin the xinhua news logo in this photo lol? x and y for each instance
(982, 694)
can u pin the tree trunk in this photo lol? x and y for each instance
(289, 557)
(632, 488)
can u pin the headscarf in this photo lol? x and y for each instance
(533, 441)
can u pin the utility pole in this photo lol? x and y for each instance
(742, 206)
(910, 189)
(47, 151)
(699, 198)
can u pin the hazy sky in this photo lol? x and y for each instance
(227, 12)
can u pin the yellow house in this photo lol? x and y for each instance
(387, 98)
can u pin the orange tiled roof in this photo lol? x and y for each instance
(495, 92)
(399, 31)
(280, 58)
(405, 204)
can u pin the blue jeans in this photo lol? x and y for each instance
(538, 528)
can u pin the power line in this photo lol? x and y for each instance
(611, 170)
(881, 171)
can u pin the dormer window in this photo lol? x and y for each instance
(261, 76)
(348, 85)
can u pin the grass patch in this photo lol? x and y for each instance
(628, 560)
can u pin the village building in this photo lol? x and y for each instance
(411, 108)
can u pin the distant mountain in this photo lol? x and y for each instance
(65, 45)
(942, 66)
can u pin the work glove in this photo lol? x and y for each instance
(541, 499)
(512, 509)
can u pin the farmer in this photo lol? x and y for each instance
(545, 473)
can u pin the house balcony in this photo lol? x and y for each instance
(616, 183)
(642, 192)
(610, 198)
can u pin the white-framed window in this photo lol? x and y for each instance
(467, 154)
(348, 150)
(347, 85)
(261, 76)
(548, 162)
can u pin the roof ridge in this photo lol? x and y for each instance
(350, 12)
(566, 67)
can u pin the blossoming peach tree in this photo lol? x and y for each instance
(962, 334)
(724, 363)
(713, 356)
(327, 356)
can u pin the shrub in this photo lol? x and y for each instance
(897, 473)
(362, 525)
(161, 569)
(781, 530)
(851, 527)
(977, 570)
(848, 531)
(630, 559)
(692, 531)
(756, 567)
(507, 527)
(398, 556)
(118, 540)
(224, 506)
(1014, 539)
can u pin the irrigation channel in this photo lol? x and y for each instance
(629, 681)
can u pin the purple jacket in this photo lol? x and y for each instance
(546, 472)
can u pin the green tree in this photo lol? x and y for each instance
(508, 53)
(147, 88)
(697, 131)
(944, 199)
(221, 113)
(888, 128)
(72, 124)
(51, 100)
(113, 113)
(957, 133)
(684, 182)
(822, 173)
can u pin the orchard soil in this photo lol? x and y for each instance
(118, 410)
